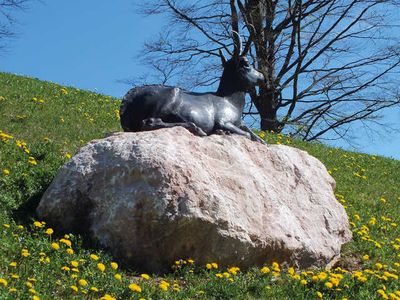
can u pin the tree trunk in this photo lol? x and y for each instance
(266, 101)
(266, 104)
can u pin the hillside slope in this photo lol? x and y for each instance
(42, 124)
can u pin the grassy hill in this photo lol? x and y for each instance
(43, 124)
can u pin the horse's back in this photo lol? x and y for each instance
(143, 102)
(170, 104)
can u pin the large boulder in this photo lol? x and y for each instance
(157, 196)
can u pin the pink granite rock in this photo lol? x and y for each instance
(157, 196)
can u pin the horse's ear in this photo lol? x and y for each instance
(223, 59)
(237, 41)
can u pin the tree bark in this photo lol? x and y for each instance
(266, 102)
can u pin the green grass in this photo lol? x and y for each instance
(43, 124)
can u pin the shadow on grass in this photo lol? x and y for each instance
(26, 212)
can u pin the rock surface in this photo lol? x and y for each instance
(157, 196)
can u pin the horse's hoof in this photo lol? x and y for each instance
(220, 132)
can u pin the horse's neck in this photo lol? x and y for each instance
(237, 99)
(231, 93)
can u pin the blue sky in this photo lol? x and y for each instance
(93, 44)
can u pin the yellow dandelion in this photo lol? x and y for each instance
(74, 263)
(382, 293)
(208, 266)
(164, 287)
(322, 276)
(94, 289)
(276, 274)
(319, 295)
(145, 276)
(3, 282)
(25, 252)
(134, 287)
(37, 224)
(82, 282)
(55, 246)
(114, 265)
(66, 242)
(12, 290)
(101, 267)
(233, 270)
(6, 172)
(118, 276)
(74, 288)
(70, 251)
(49, 231)
(214, 265)
(303, 282)
(29, 284)
(275, 267)
(94, 256)
(335, 281)
(32, 161)
(329, 285)
(13, 264)
(165, 282)
(390, 275)
(265, 270)
(5, 137)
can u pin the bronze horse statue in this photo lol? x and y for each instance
(156, 106)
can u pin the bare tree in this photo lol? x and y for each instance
(7, 19)
(327, 63)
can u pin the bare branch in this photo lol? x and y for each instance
(327, 63)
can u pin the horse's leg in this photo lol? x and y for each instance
(157, 123)
(228, 126)
(242, 130)
(221, 132)
(254, 137)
